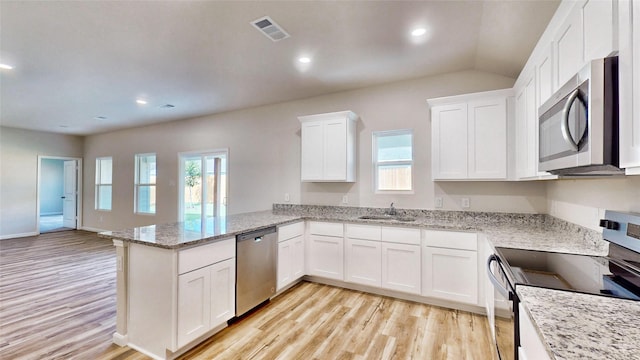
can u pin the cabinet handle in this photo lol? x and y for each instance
(566, 134)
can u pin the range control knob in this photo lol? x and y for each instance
(609, 224)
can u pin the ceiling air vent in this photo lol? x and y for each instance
(270, 29)
(167, 106)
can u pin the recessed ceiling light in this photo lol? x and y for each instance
(418, 32)
(141, 102)
(304, 59)
(6, 67)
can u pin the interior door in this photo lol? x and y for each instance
(69, 212)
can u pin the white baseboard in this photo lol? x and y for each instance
(92, 229)
(13, 236)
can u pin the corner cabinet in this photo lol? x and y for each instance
(328, 147)
(469, 136)
(629, 67)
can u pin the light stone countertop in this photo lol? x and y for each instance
(583, 326)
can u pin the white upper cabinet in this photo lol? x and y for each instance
(449, 141)
(469, 136)
(629, 67)
(544, 68)
(328, 151)
(568, 48)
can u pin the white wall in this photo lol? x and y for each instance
(583, 201)
(19, 151)
(264, 154)
(51, 186)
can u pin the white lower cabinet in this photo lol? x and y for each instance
(290, 254)
(531, 346)
(196, 285)
(194, 304)
(364, 262)
(401, 267)
(326, 250)
(450, 266)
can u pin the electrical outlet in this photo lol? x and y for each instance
(465, 203)
(286, 197)
(345, 199)
(438, 202)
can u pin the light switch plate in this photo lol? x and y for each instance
(286, 197)
(438, 202)
(465, 203)
(345, 199)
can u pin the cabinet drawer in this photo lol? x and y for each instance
(451, 240)
(326, 228)
(366, 232)
(401, 235)
(287, 232)
(201, 256)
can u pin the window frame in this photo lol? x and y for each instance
(99, 184)
(138, 185)
(376, 164)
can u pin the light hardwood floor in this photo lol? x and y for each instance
(57, 301)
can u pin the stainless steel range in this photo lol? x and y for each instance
(615, 275)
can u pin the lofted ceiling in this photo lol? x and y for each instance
(76, 61)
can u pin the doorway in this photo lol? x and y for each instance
(203, 189)
(58, 196)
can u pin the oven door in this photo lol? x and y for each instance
(504, 314)
(563, 131)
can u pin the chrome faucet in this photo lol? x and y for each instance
(392, 210)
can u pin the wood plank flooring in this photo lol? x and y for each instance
(57, 301)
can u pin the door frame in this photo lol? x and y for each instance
(78, 188)
(180, 182)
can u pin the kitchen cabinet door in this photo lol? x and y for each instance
(545, 76)
(285, 263)
(449, 141)
(223, 291)
(326, 256)
(363, 262)
(335, 150)
(312, 152)
(629, 67)
(297, 258)
(526, 130)
(487, 139)
(450, 274)
(568, 48)
(194, 304)
(401, 267)
(598, 25)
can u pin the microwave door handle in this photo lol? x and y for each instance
(496, 283)
(566, 134)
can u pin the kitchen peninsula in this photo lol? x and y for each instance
(159, 255)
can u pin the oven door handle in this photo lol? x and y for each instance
(496, 283)
(564, 126)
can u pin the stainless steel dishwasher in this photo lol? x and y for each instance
(255, 268)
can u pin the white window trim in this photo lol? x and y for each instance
(375, 163)
(137, 185)
(98, 182)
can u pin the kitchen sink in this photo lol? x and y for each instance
(387, 217)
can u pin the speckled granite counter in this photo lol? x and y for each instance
(176, 235)
(582, 326)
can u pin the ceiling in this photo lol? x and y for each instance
(76, 61)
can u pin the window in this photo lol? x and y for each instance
(145, 184)
(393, 160)
(104, 167)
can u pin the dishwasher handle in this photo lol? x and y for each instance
(492, 277)
(256, 235)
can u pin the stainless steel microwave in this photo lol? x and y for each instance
(578, 125)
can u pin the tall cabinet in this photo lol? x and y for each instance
(328, 147)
